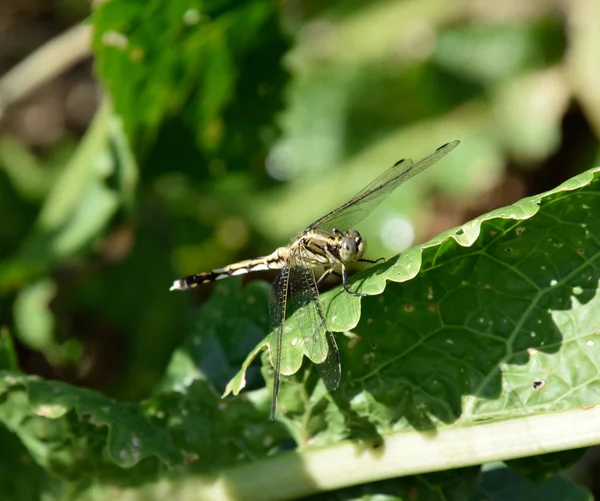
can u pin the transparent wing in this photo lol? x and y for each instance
(277, 307)
(295, 289)
(319, 342)
(361, 204)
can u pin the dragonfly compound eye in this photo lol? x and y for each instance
(360, 245)
(349, 249)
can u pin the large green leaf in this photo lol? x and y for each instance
(219, 336)
(66, 428)
(484, 321)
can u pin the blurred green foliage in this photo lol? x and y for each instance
(225, 128)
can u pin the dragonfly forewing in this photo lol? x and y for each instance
(363, 203)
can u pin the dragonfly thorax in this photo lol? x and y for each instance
(352, 245)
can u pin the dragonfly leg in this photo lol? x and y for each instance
(345, 281)
(324, 276)
(370, 260)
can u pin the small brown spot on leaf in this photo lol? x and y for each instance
(538, 384)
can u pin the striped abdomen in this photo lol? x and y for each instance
(273, 261)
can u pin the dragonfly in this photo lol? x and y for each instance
(331, 244)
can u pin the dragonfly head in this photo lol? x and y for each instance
(353, 246)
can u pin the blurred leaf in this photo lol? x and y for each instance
(220, 336)
(580, 64)
(495, 483)
(8, 356)
(365, 32)
(539, 468)
(127, 306)
(19, 216)
(449, 485)
(21, 479)
(66, 428)
(34, 322)
(500, 483)
(126, 166)
(488, 53)
(90, 164)
(186, 58)
(27, 176)
(529, 112)
(75, 211)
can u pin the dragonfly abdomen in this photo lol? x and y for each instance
(273, 261)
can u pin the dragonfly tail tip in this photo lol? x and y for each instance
(178, 285)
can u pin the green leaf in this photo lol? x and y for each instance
(189, 59)
(501, 483)
(127, 172)
(501, 51)
(30, 179)
(209, 431)
(496, 482)
(33, 319)
(531, 132)
(478, 316)
(220, 335)
(455, 484)
(89, 164)
(539, 468)
(8, 356)
(21, 479)
(66, 428)
(79, 206)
